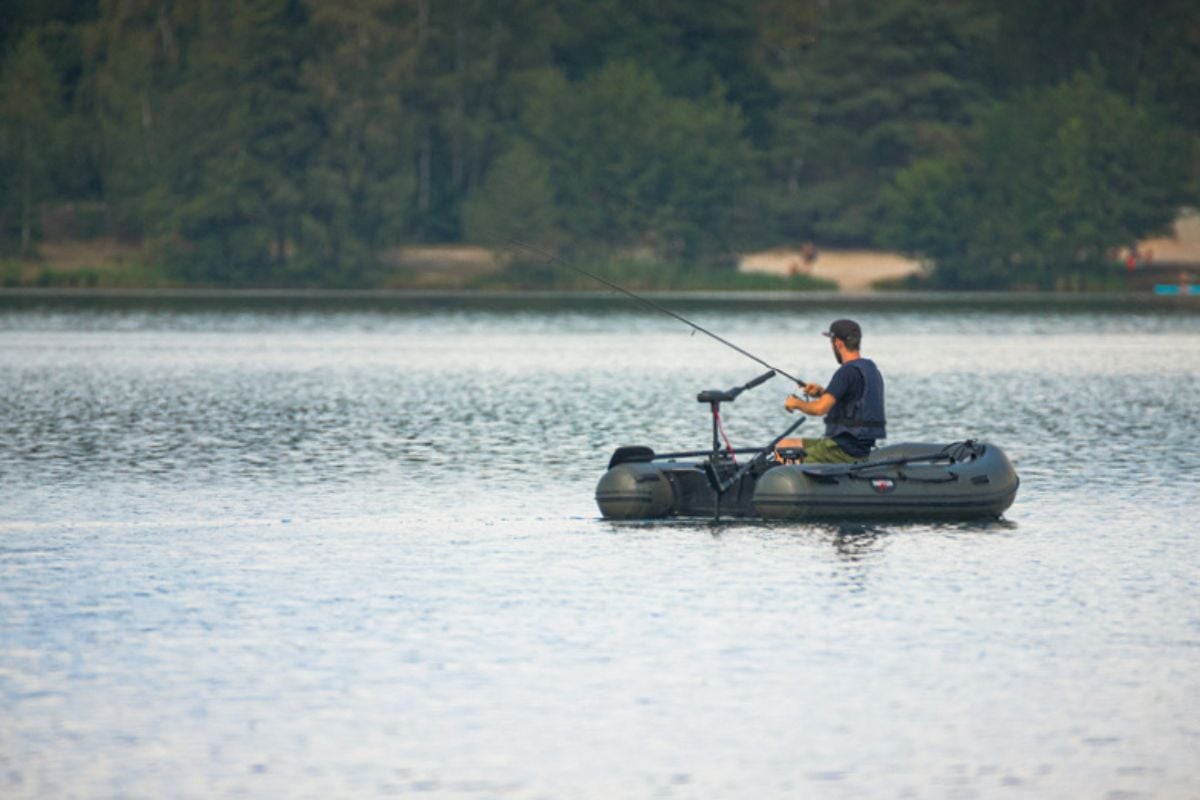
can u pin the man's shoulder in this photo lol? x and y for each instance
(844, 372)
(845, 377)
(861, 367)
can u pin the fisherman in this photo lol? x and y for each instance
(852, 404)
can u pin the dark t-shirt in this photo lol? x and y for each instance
(846, 386)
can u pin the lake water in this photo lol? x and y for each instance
(341, 547)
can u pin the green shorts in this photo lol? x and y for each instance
(826, 451)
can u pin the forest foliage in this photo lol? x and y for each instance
(293, 142)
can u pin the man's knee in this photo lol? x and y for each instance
(790, 451)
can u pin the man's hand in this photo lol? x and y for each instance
(819, 407)
(814, 389)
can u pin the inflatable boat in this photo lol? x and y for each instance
(963, 480)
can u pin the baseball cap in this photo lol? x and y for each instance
(845, 329)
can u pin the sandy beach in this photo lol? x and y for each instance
(851, 270)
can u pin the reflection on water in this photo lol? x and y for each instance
(248, 546)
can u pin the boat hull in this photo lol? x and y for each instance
(910, 481)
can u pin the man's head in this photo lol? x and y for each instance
(844, 332)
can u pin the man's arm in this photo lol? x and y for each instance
(819, 407)
(823, 399)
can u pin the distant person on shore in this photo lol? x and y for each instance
(852, 404)
(1131, 260)
(810, 254)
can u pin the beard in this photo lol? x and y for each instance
(837, 355)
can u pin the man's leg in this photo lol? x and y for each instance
(825, 451)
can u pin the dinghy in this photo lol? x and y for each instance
(963, 480)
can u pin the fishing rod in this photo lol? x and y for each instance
(651, 304)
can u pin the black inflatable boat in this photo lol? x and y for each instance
(911, 481)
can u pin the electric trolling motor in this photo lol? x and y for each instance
(717, 467)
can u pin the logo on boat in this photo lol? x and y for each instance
(883, 485)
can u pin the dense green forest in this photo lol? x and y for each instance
(295, 142)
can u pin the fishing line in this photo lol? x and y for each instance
(651, 304)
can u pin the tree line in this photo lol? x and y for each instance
(292, 142)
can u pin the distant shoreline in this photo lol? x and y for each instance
(111, 265)
(825, 298)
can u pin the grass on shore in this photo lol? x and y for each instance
(110, 264)
(103, 263)
(22, 274)
(107, 265)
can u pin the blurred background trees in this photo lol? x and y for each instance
(289, 142)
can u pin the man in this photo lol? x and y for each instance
(852, 404)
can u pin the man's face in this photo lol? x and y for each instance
(836, 353)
